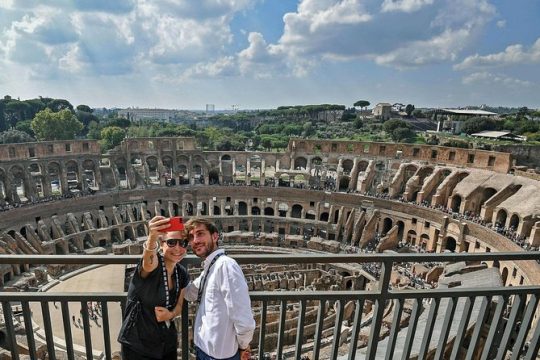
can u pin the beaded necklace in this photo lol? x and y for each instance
(168, 304)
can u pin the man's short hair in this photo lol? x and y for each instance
(195, 221)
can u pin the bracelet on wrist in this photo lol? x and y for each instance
(145, 247)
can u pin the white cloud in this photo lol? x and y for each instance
(407, 6)
(222, 67)
(512, 55)
(436, 32)
(487, 78)
(437, 49)
(501, 24)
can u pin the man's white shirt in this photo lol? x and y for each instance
(224, 320)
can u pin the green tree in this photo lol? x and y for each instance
(362, 104)
(120, 122)
(60, 104)
(409, 109)
(62, 125)
(391, 125)
(94, 131)
(15, 136)
(25, 126)
(477, 124)
(84, 108)
(112, 136)
(403, 134)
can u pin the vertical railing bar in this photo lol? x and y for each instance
(398, 310)
(337, 329)
(318, 329)
(27, 313)
(300, 329)
(447, 325)
(525, 326)
(463, 324)
(380, 301)
(356, 328)
(67, 329)
(509, 328)
(106, 330)
(411, 331)
(48, 329)
(428, 330)
(493, 328)
(184, 354)
(482, 316)
(10, 329)
(262, 329)
(534, 345)
(86, 329)
(281, 330)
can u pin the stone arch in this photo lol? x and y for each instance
(255, 210)
(72, 175)
(514, 221)
(311, 215)
(456, 203)
(424, 172)
(501, 217)
(347, 166)
(362, 165)
(424, 241)
(213, 177)
(387, 225)
(282, 209)
(504, 275)
(316, 161)
(296, 211)
(226, 157)
(242, 208)
(344, 183)
(217, 210)
(324, 216)
(300, 163)
(451, 244)
(3, 192)
(401, 228)
(411, 237)
(487, 193)
(268, 211)
(167, 162)
(19, 183)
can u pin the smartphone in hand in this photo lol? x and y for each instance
(176, 224)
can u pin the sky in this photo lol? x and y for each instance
(261, 54)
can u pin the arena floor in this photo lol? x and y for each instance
(109, 278)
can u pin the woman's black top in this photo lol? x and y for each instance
(140, 329)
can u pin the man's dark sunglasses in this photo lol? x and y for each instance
(182, 242)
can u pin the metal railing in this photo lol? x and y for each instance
(452, 323)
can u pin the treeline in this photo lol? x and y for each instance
(46, 119)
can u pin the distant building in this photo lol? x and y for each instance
(447, 121)
(467, 112)
(499, 135)
(136, 114)
(382, 111)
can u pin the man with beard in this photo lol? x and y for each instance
(223, 300)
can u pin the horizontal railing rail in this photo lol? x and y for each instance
(457, 323)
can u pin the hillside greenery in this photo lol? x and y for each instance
(57, 119)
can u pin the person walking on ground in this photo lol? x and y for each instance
(155, 295)
(223, 300)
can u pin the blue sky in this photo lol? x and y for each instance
(257, 54)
